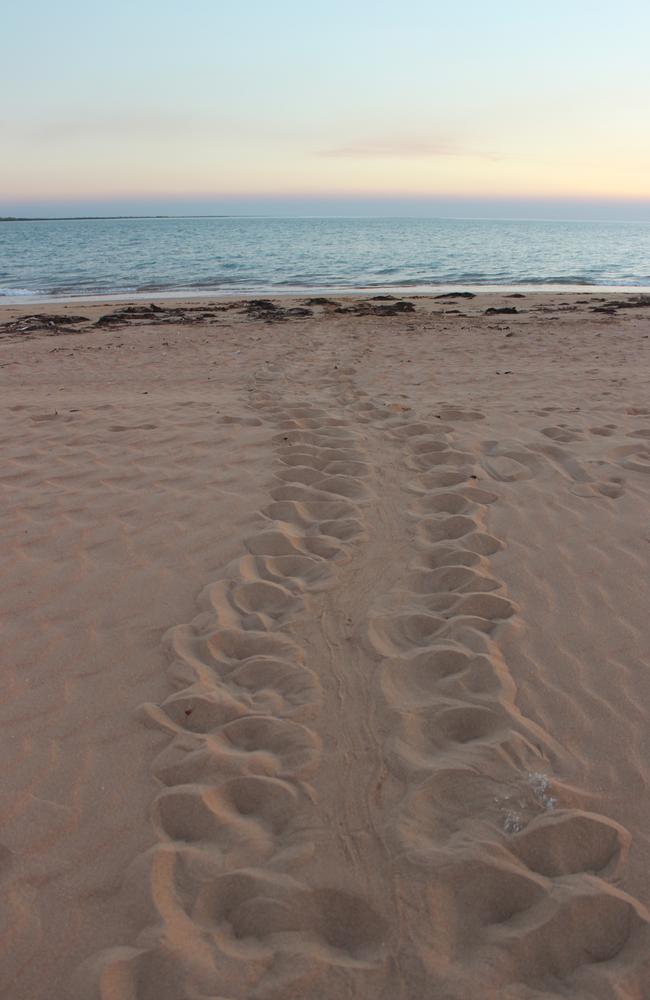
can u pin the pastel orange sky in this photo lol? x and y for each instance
(169, 101)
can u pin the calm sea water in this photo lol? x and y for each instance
(88, 257)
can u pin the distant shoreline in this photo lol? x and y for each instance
(398, 291)
(361, 218)
(102, 218)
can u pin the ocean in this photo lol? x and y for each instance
(88, 257)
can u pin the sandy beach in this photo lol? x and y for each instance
(326, 649)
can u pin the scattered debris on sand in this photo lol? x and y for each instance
(51, 323)
(368, 308)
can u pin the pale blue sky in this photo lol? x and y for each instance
(275, 105)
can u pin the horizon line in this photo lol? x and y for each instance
(307, 215)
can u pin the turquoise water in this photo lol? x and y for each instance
(111, 256)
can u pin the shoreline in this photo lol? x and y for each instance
(404, 291)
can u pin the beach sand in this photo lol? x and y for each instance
(326, 650)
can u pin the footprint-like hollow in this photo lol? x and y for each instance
(301, 572)
(204, 710)
(433, 459)
(634, 457)
(344, 486)
(300, 493)
(313, 422)
(252, 908)
(562, 434)
(230, 645)
(266, 598)
(278, 542)
(195, 815)
(490, 893)
(249, 745)
(295, 747)
(448, 555)
(426, 677)
(241, 817)
(450, 580)
(401, 633)
(444, 503)
(461, 805)
(329, 436)
(277, 687)
(570, 842)
(320, 458)
(415, 430)
(446, 528)
(510, 467)
(345, 529)
(482, 543)
(465, 723)
(441, 479)
(429, 445)
(305, 513)
(491, 607)
(355, 469)
(583, 923)
(454, 414)
(300, 474)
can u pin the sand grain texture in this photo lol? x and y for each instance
(326, 672)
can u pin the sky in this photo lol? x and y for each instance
(503, 109)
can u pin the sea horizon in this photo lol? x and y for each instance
(284, 216)
(193, 256)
